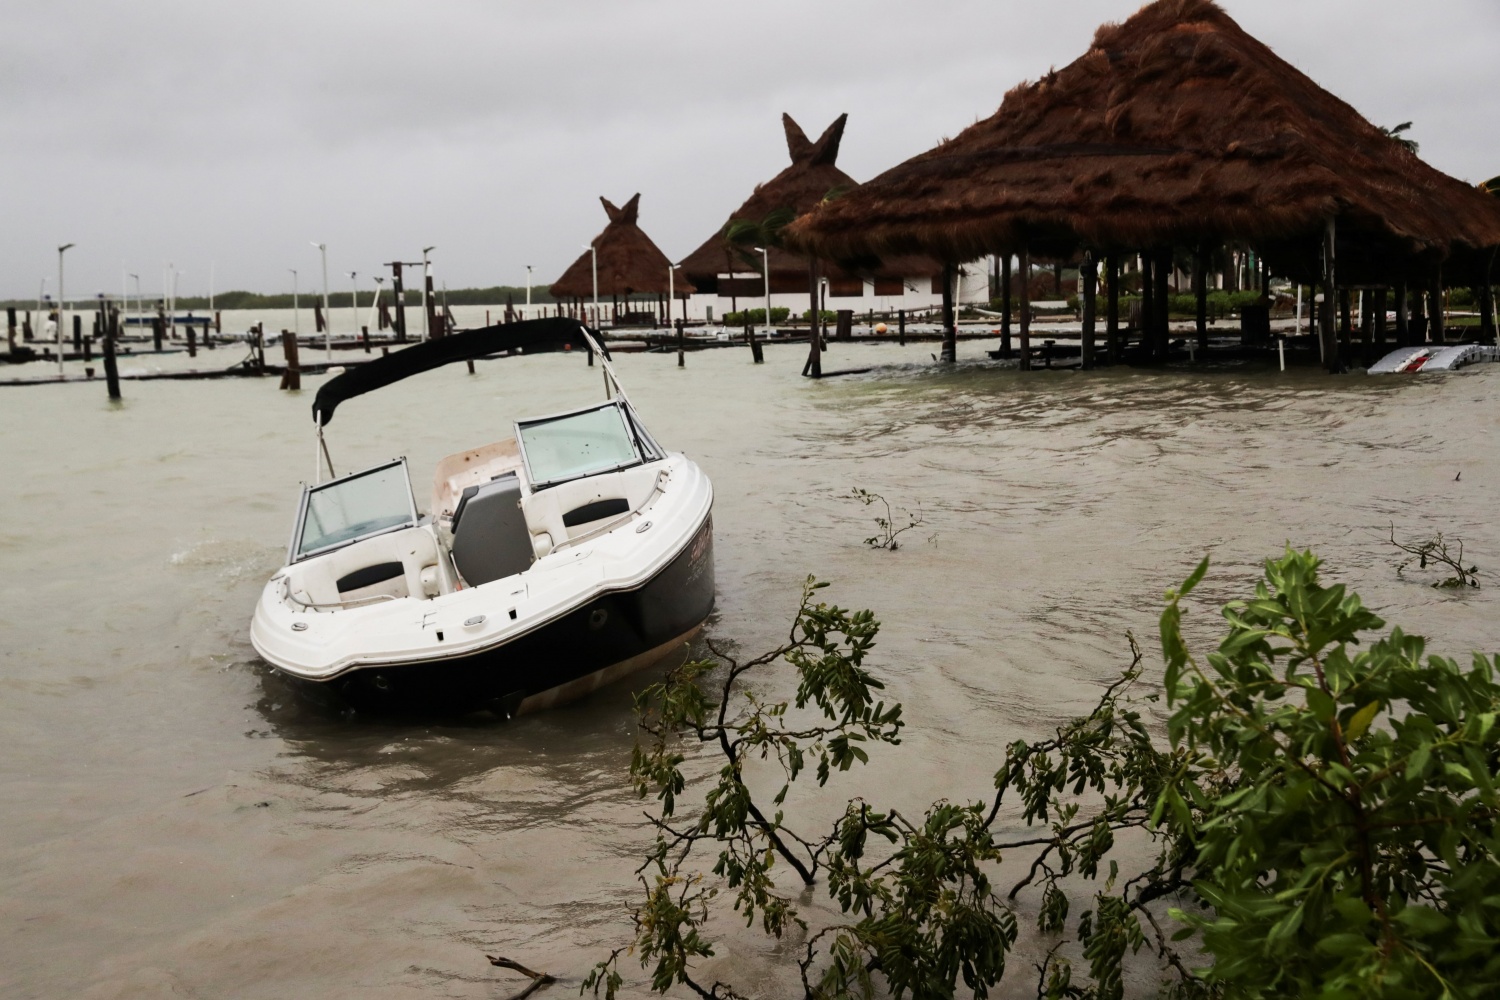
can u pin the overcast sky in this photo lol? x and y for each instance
(227, 135)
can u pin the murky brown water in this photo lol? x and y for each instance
(175, 826)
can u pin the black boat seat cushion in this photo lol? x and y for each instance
(490, 538)
(596, 511)
(369, 576)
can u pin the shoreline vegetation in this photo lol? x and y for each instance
(234, 299)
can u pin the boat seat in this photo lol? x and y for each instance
(490, 539)
(393, 564)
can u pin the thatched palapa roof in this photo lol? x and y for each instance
(629, 263)
(1176, 128)
(812, 176)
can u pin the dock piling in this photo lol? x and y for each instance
(111, 369)
(292, 377)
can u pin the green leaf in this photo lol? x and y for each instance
(1361, 721)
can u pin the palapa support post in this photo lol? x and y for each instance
(1346, 329)
(813, 366)
(1420, 334)
(1162, 331)
(1200, 293)
(1435, 308)
(1148, 308)
(950, 322)
(1329, 332)
(1112, 307)
(1367, 326)
(1487, 304)
(111, 368)
(681, 347)
(1403, 315)
(1025, 308)
(291, 378)
(1005, 349)
(901, 327)
(1089, 280)
(1382, 331)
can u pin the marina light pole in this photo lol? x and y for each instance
(765, 257)
(671, 292)
(354, 299)
(594, 253)
(296, 313)
(375, 303)
(528, 290)
(327, 320)
(426, 299)
(60, 251)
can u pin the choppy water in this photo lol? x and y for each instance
(175, 825)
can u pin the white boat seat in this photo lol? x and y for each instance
(390, 564)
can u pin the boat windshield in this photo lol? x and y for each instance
(354, 507)
(576, 445)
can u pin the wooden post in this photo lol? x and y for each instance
(470, 362)
(1162, 328)
(1486, 304)
(1420, 334)
(1057, 288)
(1112, 307)
(111, 369)
(398, 302)
(260, 348)
(950, 323)
(1148, 295)
(1005, 307)
(1200, 291)
(813, 367)
(364, 336)
(192, 339)
(844, 329)
(681, 356)
(1025, 308)
(77, 333)
(292, 377)
(156, 332)
(1088, 288)
(1345, 327)
(1403, 315)
(1434, 306)
(901, 326)
(1382, 331)
(1330, 280)
(10, 328)
(1367, 326)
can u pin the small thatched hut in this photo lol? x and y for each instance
(721, 268)
(1177, 130)
(630, 264)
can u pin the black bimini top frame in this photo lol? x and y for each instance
(533, 336)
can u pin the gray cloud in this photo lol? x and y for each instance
(229, 134)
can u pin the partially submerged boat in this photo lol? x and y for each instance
(1434, 358)
(544, 565)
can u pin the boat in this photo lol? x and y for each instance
(543, 567)
(1434, 358)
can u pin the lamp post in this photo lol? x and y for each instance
(327, 320)
(296, 312)
(60, 303)
(375, 303)
(528, 291)
(354, 300)
(671, 293)
(426, 282)
(765, 257)
(594, 252)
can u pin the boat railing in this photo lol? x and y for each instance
(286, 591)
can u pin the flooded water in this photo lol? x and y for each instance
(177, 825)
